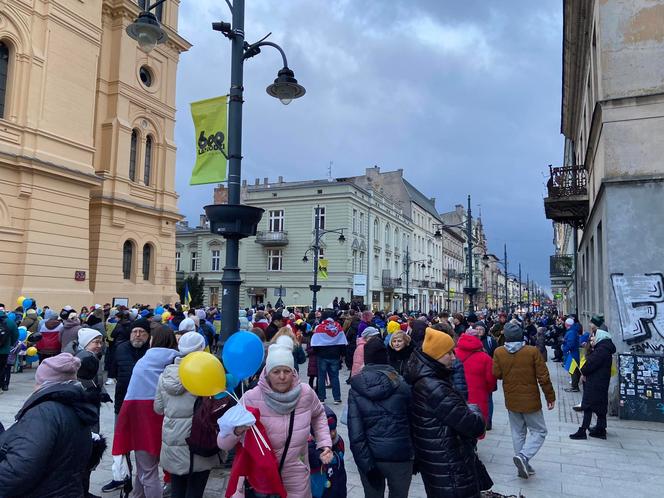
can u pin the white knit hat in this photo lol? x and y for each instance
(370, 331)
(280, 354)
(190, 342)
(569, 321)
(86, 335)
(187, 325)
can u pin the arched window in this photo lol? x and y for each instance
(396, 238)
(147, 259)
(148, 160)
(388, 234)
(376, 230)
(132, 155)
(127, 259)
(4, 74)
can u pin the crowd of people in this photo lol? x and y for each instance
(420, 398)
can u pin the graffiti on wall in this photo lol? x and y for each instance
(640, 301)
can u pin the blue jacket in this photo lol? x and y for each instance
(571, 344)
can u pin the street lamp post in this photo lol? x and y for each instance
(315, 248)
(233, 221)
(407, 264)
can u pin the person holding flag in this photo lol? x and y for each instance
(571, 350)
(186, 297)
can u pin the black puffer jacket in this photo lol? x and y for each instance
(378, 425)
(444, 431)
(126, 357)
(45, 454)
(399, 359)
(417, 331)
(597, 371)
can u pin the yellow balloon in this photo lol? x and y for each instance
(31, 351)
(20, 300)
(165, 316)
(202, 374)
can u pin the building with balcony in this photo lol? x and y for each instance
(607, 197)
(87, 155)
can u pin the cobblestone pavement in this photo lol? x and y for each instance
(630, 463)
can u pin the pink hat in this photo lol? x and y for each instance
(60, 368)
(472, 331)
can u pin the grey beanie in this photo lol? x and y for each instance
(512, 333)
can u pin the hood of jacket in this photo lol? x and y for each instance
(422, 365)
(171, 379)
(467, 345)
(68, 324)
(51, 324)
(514, 347)
(376, 382)
(606, 345)
(66, 393)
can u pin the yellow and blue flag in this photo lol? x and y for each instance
(570, 364)
(186, 299)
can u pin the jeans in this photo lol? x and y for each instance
(587, 418)
(331, 367)
(5, 372)
(576, 377)
(398, 476)
(147, 483)
(488, 422)
(520, 423)
(190, 485)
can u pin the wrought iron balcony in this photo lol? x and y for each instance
(272, 238)
(439, 285)
(425, 283)
(567, 200)
(391, 283)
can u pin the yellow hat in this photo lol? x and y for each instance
(436, 343)
(392, 327)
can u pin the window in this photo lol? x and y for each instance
(361, 227)
(127, 259)
(319, 217)
(376, 230)
(132, 155)
(215, 260)
(146, 76)
(354, 220)
(388, 234)
(194, 260)
(178, 256)
(148, 160)
(214, 296)
(321, 253)
(354, 261)
(147, 259)
(274, 260)
(4, 74)
(362, 256)
(276, 221)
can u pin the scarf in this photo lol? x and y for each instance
(283, 403)
(601, 335)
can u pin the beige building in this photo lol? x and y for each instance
(87, 154)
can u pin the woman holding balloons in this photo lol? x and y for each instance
(289, 411)
(8, 340)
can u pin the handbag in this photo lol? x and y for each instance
(250, 492)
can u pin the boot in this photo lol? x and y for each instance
(597, 433)
(580, 434)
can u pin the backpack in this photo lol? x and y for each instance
(5, 333)
(204, 430)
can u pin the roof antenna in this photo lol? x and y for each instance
(329, 171)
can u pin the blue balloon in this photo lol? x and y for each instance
(27, 303)
(159, 310)
(32, 359)
(221, 395)
(22, 333)
(39, 311)
(243, 354)
(231, 382)
(11, 315)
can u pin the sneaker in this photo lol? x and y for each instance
(580, 434)
(577, 408)
(166, 491)
(90, 495)
(110, 382)
(112, 486)
(531, 471)
(572, 390)
(597, 434)
(521, 466)
(337, 401)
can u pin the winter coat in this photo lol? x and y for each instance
(477, 366)
(176, 404)
(459, 379)
(47, 450)
(521, 368)
(126, 357)
(309, 416)
(571, 344)
(597, 371)
(378, 427)
(50, 341)
(489, 343)
(13, 334)
(31, 323)
(444, 429)
(312, 366)
(358, 357)
(351, 335)
(417, 331)
(299, 357)
(328, 481)
(69, 331)
(399, 359)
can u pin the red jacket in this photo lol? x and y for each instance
(478, 367)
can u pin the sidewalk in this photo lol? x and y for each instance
(629, 463)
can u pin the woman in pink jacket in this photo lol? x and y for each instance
(278, 393)
(358, 355)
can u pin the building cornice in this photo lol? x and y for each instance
(96, 197)
(57, 170)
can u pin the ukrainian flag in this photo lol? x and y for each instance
(187, 295)
(570, 364)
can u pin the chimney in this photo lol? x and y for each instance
(202, 221)
(433, 200)
(220, 194)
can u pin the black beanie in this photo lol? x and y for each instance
(89, 367)
(375, 352)
(143, 323)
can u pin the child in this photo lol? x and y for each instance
(312, 366)
(328, 481)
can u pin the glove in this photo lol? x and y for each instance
(105, 398)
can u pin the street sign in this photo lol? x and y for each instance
(558, 296)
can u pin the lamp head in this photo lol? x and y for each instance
(438, 234)
(305, 259)
(147, 31)
(285, 87)
(342, 239)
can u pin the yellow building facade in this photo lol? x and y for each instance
(87, 154)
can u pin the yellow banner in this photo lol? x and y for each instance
(322, 269)
(211, 123)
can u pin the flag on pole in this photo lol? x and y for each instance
(186, 298)
(570, 364)
(322, 269)
(211, 124)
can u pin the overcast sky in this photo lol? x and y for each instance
(463, 95)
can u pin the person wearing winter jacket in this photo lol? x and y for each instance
(596, 374)
(366, 321)
(399, 351)
(417, 330)
(279, 394)
(444, 428)
(299, 356)
(10, 340)
(477, 366)
(31, 321)
(189, 472)
(378, 425)
(358, 356)
(46, 453)
(329, 343)
(571, 349)
(70, 329)
(329, 480)
(50, 330)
